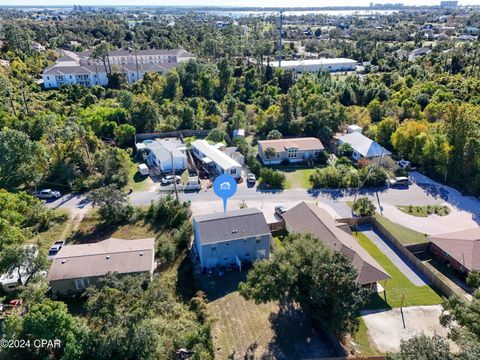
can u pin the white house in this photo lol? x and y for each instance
(226, 239)
(216, 159)
(315, 65)
(362, 146)
(166, 155)
(80, 68)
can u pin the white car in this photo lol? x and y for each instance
(48, 194)
(54, 249)
(169, 179)
(251, 178)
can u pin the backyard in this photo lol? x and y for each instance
(245, 330)
(399, 290)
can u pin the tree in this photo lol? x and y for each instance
(22, 161)
(364, 207)
(270, 153)
(272, 178)
(113, 203)
(101, 52)
(48, 320)
(217, 135)
(274, 134)
(473, 279)
(308, 273)
(124, 135)
(423, 348)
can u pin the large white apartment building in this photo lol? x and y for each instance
(80, 68)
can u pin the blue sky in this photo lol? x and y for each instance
(266, 3)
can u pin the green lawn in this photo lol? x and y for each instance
(296, 178)
(424, 211)
(399, 285)
(405, 235)
(137, 181)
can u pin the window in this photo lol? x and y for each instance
(214, 248)
(82, 284)
(316, 152)
(292, 153)
(233, 171)
(247, 254)
(258, 241)
(226, 244)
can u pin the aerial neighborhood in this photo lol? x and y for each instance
(240, 182)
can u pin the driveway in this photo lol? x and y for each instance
(400, 261)
(386, 329)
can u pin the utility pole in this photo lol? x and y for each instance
(174, 178)
(280, 40)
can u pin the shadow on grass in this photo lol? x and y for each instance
(304, 342)
(378, 301)
(185, 285)
(216, 286)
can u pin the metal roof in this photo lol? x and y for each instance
(216, 155)
(304, 144)
(363, 145)
(233, 225)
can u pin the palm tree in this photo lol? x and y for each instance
(100, 52)
(364, 207)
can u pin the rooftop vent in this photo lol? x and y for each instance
(64, 261)
(108, 257)
(141, 254)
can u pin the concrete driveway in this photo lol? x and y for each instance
(400, 261)
(387, 329)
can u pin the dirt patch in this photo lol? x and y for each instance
(386, 329)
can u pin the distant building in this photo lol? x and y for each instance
(460, 249)
(80, 68)
(76, 267)
(166, 155)
(315, 65)
(228, 239)
(448, 4)
(215, 159)
(363, 147)
(292, 150)
(310, 219)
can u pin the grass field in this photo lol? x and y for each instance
(424, 211)
(245, 330)
(405, 235)
(45, 239)
(91, 229)
(296, 177)
(136, 181)
(398, 286)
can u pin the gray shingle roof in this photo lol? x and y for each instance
(239, 224)
(308, 219)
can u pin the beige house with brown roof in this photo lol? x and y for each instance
(77, 267)
(309, 219)
(293, 150)
(461, 249)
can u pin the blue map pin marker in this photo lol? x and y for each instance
(225, 187)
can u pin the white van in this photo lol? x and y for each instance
(143, 169)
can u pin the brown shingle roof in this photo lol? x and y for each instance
(97, 259)
(309, 219)
(307, 143)
(463, 246)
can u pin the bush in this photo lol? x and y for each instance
(272, 178)
(168, 212)
(334, 177)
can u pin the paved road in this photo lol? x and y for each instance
(400, 262)
(422, 192)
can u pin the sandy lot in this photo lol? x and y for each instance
(387, 328)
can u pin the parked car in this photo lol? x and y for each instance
(48, 194)
(169, 179)
(54, 249)
(251, 178)
(405, 164)
(280, 209)
(398, 182)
